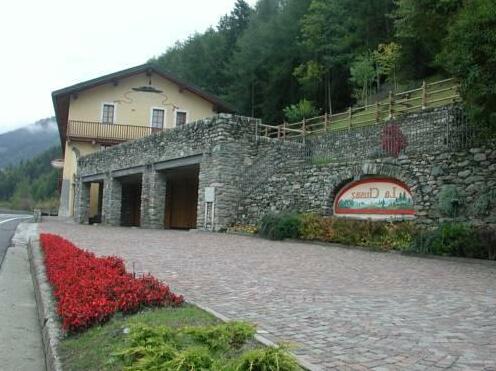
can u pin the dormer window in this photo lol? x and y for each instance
(108, 111)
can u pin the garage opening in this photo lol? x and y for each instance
(96, 203)
(131, 200)
(181, 197)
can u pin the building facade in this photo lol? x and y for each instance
(122, 106)
(216, 172)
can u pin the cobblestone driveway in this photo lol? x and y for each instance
(343, 308)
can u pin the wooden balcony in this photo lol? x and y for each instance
(99, 132)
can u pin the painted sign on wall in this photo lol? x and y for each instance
(376, 198)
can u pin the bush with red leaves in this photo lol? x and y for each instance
(393, 141)
(91, 289)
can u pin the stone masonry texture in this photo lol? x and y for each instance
(255, 175)
(340, 308)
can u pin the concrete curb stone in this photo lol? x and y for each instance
(49, 322)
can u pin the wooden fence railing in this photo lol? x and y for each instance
(435, 94)
(101, 132)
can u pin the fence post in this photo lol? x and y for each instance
(278, 131)
(304, 129)
(390, 104)
(377, 112)
(284, 130)
(350, 116)
(325, 122)
(424, 95)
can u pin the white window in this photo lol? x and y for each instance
(108, 113)
(158, 118)
(181, 117)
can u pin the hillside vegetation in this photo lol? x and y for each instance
(31, 183)
(27, 142)
(335, 53)
(293, 59)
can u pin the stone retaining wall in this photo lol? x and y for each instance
(313, 187)
(253, 176)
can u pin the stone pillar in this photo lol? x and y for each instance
(221, 169)
(153, 199)
(82, 201)
(112, 197)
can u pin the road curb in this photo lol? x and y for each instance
(45, 303)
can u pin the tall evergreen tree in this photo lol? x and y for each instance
(421, 26)
(469, 53)
(335, 32)
(262, 83)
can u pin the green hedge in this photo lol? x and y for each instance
(447, 239)
(377, 235)
(280, 226)
(456, 239)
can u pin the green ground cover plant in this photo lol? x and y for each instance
(183, 338)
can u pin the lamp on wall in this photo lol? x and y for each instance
(148, 88)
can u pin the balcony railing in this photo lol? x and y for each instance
(106, 133)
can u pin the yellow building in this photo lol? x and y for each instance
(119, 107)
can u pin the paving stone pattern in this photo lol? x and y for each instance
(342, 308)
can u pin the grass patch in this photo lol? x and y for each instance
(91, 350)
(182, 339)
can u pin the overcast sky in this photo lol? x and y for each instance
(47, 45)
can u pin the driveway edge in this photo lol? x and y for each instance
(50, 327)
(258, 337)
(49, 323)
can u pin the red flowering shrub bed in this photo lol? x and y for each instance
(91, 289)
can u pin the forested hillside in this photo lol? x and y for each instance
(335, 53)
(31, 183)
(27, 142)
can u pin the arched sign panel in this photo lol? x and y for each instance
(375, 198)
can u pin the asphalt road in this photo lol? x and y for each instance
(8, 225)
(20, 334)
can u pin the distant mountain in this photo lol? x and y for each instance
(28, 142)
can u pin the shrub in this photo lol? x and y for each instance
(304, 109)
(393, 141)
(449, 201)
(487, 238)
(222, 337)
(216, 347)
(311, 227)
(264, 359)
(453, 239)
(90, 290)
(485, 203)
(280, 226)
(373, 234)
(190, 359)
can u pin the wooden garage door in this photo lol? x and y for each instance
(181, 202)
